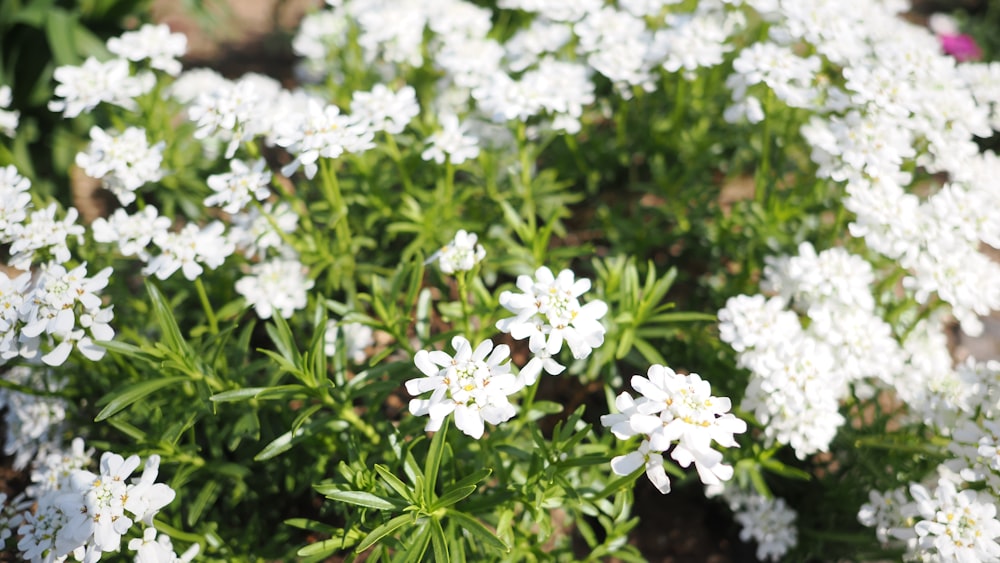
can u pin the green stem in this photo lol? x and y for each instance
(526, 184)
(338, 220)
(213, 324)
(463, 298)
(762, 182)
(397, 157)
(354, 420)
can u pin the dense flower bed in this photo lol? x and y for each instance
(517, 220)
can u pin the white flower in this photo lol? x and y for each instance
(8, 118)
(474, 384)
(678, 412)
(459, 255)
(132, 233)
(957, 526)
(884, 512)
(643, 457)
(14, 201)
(320, 131)
(385, 110)
(357, 338)
(188, 249)
(153, 42)
(548, 312)
(42, 231)
(67, 310)
(153, 548)
(770, 523)
(276, 286)
(123, 162)
(451, 143)
(82, 88)
(254, 234)
(234, 190)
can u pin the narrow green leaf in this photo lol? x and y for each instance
(262, 393)
(683, 317)
(59, 26)
(453, 495)
(396, 483)
(416, 544)
(359, 498)
(382, 531)
(433, 462)
(438, 542)
(205, 497)
(118, 400)
(478, 530)
(165, 318)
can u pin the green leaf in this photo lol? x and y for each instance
(382, 531)
(683, 316)
(478, 530)
(165, 318)
(359, 498)
(205, 497)
(395, 482)
(433, 462)
(59, 30)
(248, 393)
(453, 496)
(438, 542)
(118, 400)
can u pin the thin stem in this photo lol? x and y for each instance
(463, 298)
(525, 160)
(397, 157)
(213, 324)
(338, 220)
(762, 182)
(354, 420)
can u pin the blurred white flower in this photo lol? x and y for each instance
(123, 162)
(459, 255)
(153, 42)
(276, 286)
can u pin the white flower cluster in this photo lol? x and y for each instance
(321, 131)
(275, 286)
(799, 375)
(153, 42)
(474, 384)
(461, 254)
(123, 162)
(235, 189)
(33, 422)
(942, 524)
(83, 88)
(84, 514)
(547, 313)
(677, 413)
(8, 118)
(58, 310)
(768, 522)
(357, 338)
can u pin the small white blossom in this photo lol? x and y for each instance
(188, 249)
(451, 143)
(234, 190)
(357, 338)
(459, 255)
(82, 88)
(548, 312)
(132, 233)
(676, 413)
(770, 523)
(123, 162)
(153, 42)
(8, 118)
(276, 286)
(385, 110)
(474, 384)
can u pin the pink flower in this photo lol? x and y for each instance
(961, 46)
